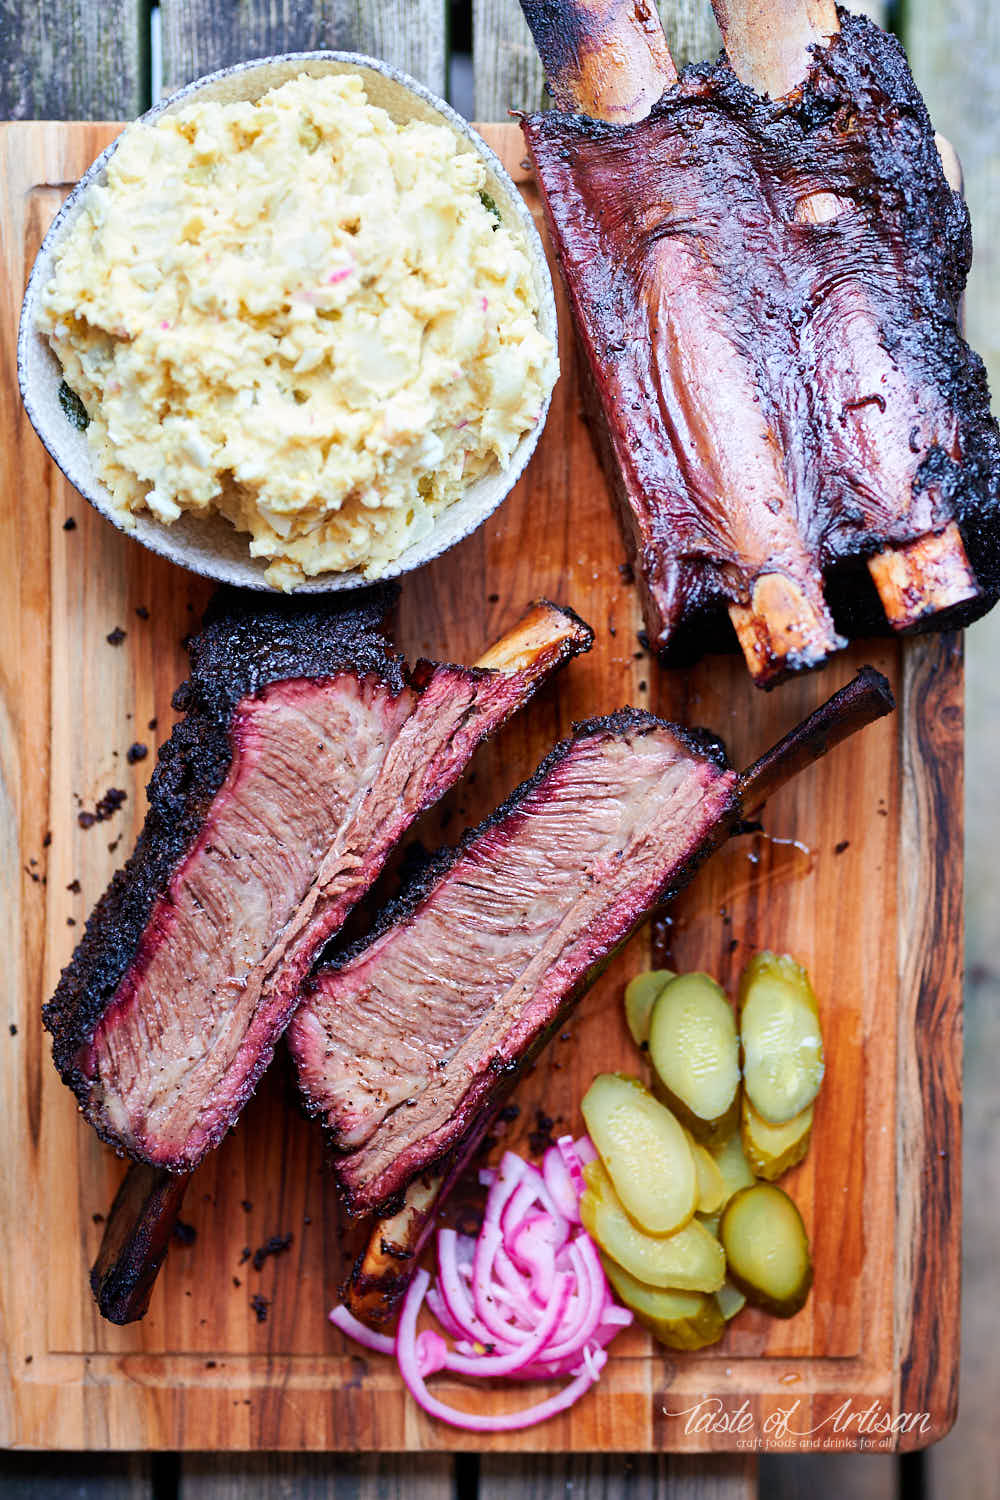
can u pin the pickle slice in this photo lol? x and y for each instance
(767, 1249)
(781, 1036)
(711, 1187)
(640, 997)
(732, 1163)
(730, 1299)
(694, 1048)
(772, 1149)
(645, 1151)
(691, 1260)
(681, 1320)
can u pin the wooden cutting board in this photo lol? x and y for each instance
(858, 873)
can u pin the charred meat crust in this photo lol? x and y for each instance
(897, 183)
(245, 644)
(426, 872)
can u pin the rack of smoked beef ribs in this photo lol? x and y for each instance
(765, 258)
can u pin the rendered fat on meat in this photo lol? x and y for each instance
(777, 399)
(306, 751)
(401, 1048)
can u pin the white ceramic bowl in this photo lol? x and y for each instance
(210, 545)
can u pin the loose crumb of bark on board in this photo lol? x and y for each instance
(69, 524)
(116, 636)
(246, 1205)
(245, 1255)
(136, 752)
(74, 887)
(142, 612)
(13, 1029)
(278, 1244)
(260, 1306)
(184, 1234)
(839, 848)
(104, 809)
(540, 1139)
(97, 1218)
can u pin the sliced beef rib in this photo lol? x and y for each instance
(401, 1047)
(306, 751)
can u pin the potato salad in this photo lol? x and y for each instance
(303, 315)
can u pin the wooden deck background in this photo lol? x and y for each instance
(91, 59)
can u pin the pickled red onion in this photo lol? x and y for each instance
(527, 1299)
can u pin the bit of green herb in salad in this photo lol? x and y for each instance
(490, 206)
(73, 407)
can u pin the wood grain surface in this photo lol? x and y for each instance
(202, 35)
(955, 54)
(836, 878)
(72, 59)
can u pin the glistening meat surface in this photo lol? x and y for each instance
(401, 1047)
(306, 752)
(776, 397)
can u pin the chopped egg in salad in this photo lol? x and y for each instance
(300, 314)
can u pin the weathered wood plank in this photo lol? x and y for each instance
(509, 74)
(829, 1476)
(282, 1476)
(76, 1476)
(955, 54)
(598, 1477)
(202, 35)
(73, 60)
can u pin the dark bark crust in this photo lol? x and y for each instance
(245, 644)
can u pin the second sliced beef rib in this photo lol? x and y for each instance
(400, 1048)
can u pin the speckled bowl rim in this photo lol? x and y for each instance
(188, 541)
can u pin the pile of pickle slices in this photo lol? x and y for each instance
(682, 1198)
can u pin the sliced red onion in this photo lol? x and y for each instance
(526, 1299)
(560, 1182)
(585, 1149)
(488, 1365)
(456, 1296)
(406, 1354)
(573, 1162)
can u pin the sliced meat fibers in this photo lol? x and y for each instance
(402, 1046)
(306, 750)
(773, 394)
